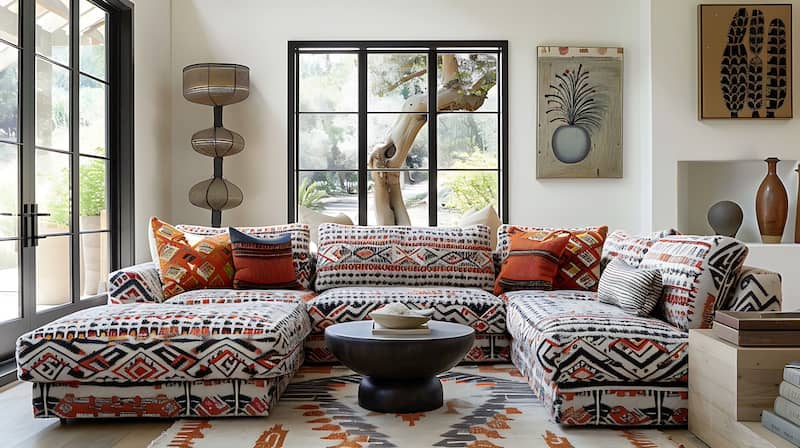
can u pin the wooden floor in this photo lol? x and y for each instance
(20, 430)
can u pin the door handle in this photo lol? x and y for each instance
(34, 215)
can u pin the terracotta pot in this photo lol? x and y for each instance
(772, 204)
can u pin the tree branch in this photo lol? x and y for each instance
(405, 79)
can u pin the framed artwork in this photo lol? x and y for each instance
(579, 112)
(745, 61)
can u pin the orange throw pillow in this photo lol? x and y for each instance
(208, 263)
(532, 263)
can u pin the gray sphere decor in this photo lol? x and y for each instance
(725, 217)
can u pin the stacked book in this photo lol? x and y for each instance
(784, 420)
(380, 330)
(758, 329)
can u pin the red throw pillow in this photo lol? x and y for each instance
(532, 262)
(580, 264)
(263, 262)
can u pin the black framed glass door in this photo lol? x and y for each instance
(62, 148)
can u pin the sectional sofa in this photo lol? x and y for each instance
(232, 352)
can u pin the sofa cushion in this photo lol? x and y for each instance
(145, 343)
(137, 283)
(184, 265)
(756, 290)
(636, 291)
(262, 262)
(531, 263)
(300, 241)
(580, 262)
(698, 273)
(403, 256)
(630, 248)
(469, 306)
(223, 296)
(570, 337)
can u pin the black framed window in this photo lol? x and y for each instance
(66, 157)
(398, 132)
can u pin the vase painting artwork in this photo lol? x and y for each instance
(745, 61)
(579, 112)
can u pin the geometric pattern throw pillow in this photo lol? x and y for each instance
(262, 263)
(208, 263)
(532, 263)
(580, 263)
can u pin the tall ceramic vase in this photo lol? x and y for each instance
(772, 204)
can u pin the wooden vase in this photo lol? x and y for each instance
(772, 204)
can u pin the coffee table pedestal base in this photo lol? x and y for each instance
(400, 396)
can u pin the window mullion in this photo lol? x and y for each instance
(433, 187)
(74, 143)
(362, 136)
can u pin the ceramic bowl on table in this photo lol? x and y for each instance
(398, 316)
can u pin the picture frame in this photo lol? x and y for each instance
(744, 61)
(579, 103)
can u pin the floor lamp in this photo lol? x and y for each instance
(216, 85)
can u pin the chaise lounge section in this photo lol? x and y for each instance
(594, 364)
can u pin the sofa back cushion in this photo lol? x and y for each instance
(630, 248)
(300, 240)
(698, 273)
(580, 262)
(403, 256)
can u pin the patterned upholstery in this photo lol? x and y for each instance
(144, 343)
(221, 398)
(698, 273)
(135, 284)
(403, 256)
(469, 306)
(300, 241)
(630, 248)
(756, 290)
(569, 341)
(226, 296)
(630, 404)
(593, 364)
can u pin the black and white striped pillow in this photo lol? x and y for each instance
(636, 291)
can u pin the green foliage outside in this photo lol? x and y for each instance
(92, 192)
(311, 194)
(467, 190)
(329, 142)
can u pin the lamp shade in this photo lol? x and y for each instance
(216, 194)
(217, 142)
(216, 84)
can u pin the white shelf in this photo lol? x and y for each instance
(703, 183)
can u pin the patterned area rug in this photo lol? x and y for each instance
(485, 407)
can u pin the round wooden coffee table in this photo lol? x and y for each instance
(399, 372)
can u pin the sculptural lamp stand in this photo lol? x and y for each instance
(216, 85)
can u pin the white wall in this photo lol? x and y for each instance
(677, 133)
(679, 136)
(255, 33)
(152, 116)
